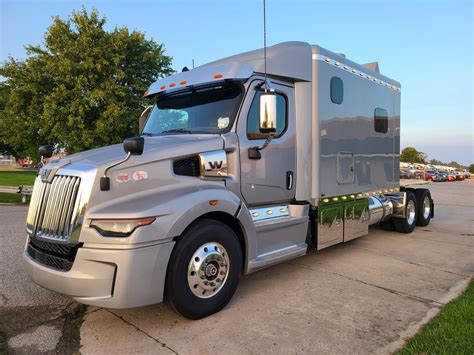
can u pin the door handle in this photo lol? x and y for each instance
(289, 180)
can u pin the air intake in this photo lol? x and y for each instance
(187, 166)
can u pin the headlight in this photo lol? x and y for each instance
(119, 227)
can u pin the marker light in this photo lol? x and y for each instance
(162, 87)
(183, 82)
(119, 227)
(172, 85)
(217, 76)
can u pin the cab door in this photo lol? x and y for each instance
(270, 179)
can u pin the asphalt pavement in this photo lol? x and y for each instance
(365, 296)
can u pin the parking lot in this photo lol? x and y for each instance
(364, 296)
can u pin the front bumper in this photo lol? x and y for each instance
(110, 278)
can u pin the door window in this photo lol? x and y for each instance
(253, 120)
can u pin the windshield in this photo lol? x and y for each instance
(200, 110)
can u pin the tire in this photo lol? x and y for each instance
(387, 225)
(424, 207)
(407, 224)
(206, 251)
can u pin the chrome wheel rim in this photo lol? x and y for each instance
(411, 212)
(208, 270)
(426, 207)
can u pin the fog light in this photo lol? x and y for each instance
(119, 227)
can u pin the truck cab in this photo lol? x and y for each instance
(235, 169)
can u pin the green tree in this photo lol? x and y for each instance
(83, 90)
(411, 155)
(471, 168)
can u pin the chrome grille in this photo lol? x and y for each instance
(53, 207)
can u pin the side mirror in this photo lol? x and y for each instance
(143, 118)
(46, 151)
(134, 145)
(268, 103)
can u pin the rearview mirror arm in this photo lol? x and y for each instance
(105, 180)
(254, 152)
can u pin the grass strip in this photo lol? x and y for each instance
(450, 332)
(6, 197)
(17, 178)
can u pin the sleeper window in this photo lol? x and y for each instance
(253, 120)
(380, 120)
(337, 90)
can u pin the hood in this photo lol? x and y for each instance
(156, 148)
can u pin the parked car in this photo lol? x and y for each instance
(419, 174)
(459, 176)
(443, 175)
(406, 174)
(452, 176)
(431, 175)
(462, 172)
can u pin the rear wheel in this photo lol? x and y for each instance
(204, 269)
(408, 223)
(387, 225)
(424, 206)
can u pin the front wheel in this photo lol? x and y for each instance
(408, 223)
(204, 269)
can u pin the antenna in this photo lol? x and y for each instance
(193, 63)
(265, 45)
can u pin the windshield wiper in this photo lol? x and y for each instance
(177, 130)
(146, 134)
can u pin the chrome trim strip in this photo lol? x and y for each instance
(359, 195)
(265, 213)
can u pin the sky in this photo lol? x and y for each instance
(426, 45)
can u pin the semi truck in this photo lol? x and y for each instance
(240, 164)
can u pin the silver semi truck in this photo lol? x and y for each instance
(235, 169)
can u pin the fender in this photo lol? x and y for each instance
(175, 209)
(229, 203)
(197, 204)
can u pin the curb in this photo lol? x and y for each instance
(414, 328)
